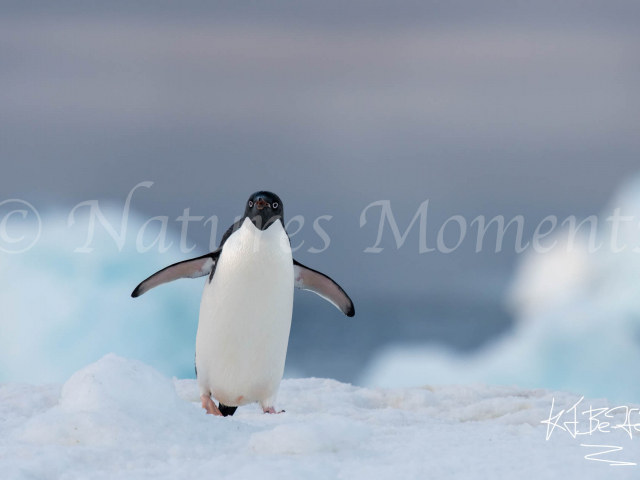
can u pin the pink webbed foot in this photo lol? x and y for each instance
(271, 410)
(209, 405)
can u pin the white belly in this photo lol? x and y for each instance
(245, 318)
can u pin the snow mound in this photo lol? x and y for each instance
(98, 404)
(121, 418)
(115, 381)
(578, 318)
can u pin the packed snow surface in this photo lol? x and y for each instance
(121, 418)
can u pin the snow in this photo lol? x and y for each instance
(578, 317)
(121, 418)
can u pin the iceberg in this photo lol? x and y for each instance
(578, 321)
(61, 309)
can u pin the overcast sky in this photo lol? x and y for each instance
(485, 108)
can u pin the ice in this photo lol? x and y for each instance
(578, 318)
(121, 418)
(60, 309)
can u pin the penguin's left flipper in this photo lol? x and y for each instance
(194, 268)
(306, 278)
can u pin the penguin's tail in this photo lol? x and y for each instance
(226, 411)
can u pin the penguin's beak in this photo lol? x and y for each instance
(261, 203)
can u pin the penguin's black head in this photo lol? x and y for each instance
(263, 209)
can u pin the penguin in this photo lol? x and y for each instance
(246, 307)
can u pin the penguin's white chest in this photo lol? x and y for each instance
(245, 318)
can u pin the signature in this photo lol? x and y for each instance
(599, 420)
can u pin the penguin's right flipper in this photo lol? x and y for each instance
(194, 268)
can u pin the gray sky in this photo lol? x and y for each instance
(486, 108)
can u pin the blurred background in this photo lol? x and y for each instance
(483, 108)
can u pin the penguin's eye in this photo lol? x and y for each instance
(250, 204)
(274, 204)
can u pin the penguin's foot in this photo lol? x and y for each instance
(209, 406)
(271, 410)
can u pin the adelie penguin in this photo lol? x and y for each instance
(245, 313)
